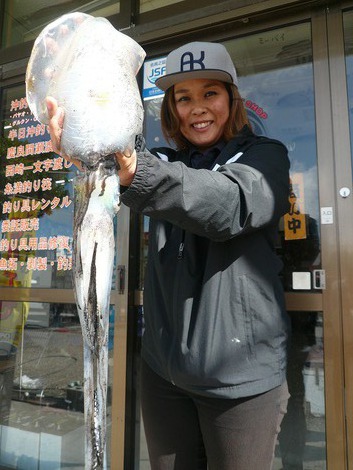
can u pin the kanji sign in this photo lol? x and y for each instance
(295, 219)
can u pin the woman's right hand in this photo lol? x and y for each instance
(127, 167)
(56, 122)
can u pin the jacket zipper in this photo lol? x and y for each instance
(181, 246)
(172, 346)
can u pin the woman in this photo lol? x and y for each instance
(214, 350)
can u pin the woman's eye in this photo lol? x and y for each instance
(211, 93)
(182, 98)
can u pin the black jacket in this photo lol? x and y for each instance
(215, 317)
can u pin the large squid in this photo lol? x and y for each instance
(90, 69)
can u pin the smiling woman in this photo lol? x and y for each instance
(171, 116)
(203, 109)
(213, 299)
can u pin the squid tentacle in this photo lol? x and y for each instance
(94, 254)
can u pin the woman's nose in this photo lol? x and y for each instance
(198, 108)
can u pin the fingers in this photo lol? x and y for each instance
(127, 164)
(126, 161)
(52, 105)
(56, 121)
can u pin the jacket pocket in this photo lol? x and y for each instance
(247, 314)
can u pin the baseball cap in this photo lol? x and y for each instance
(198, 60)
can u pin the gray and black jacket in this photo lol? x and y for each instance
(215, 317)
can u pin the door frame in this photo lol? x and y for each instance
(342, 148)
(332, 308)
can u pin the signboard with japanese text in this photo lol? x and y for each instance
(152, 70)
(36, 201)
(295, 219)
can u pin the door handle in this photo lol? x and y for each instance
(319, 276)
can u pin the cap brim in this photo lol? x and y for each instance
(167, 81)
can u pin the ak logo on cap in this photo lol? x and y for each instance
(188, 62)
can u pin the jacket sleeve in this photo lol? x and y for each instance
(239, 197)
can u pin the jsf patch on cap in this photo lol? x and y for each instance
(198, 60)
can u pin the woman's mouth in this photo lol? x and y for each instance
(201, 125)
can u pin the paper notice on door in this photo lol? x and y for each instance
(301, 281)
(326, 215)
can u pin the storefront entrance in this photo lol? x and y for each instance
(296, 77)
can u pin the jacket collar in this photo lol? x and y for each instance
(239, 143)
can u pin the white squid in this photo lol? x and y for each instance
(90, 69)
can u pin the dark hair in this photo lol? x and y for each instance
(171, 123)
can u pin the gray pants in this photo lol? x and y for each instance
(189, 432)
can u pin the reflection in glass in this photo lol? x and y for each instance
(348, 42)
(302, 440)
(152, 132)
(23, 19)
(41, 377)
(276, 82)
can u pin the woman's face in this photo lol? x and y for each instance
(203, 109)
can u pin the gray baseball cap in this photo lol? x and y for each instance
(198, 60)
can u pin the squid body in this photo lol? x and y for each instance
(90, 69)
